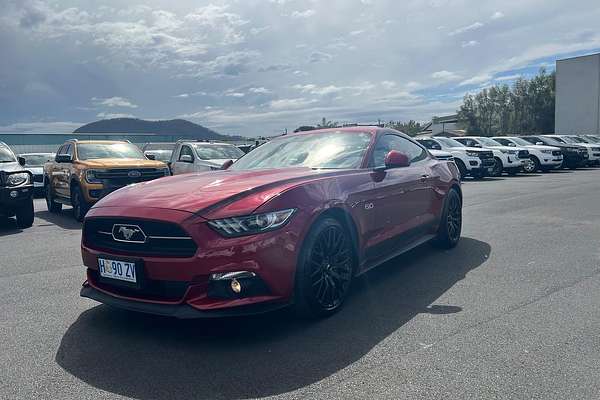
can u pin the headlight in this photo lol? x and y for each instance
(19, 179)
(90, 176)
(595, 148)
(546, 151)
(472, 154)
(251, 224)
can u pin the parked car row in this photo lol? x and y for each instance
(483, 156)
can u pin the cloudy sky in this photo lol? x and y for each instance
(255, 67)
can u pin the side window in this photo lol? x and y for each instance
(186, 151)
(430, 144)
(504, 142)
(388, 142)
(69, 150)
(61, 150)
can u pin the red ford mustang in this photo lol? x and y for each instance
(292, 222)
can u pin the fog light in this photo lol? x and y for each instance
(14, 194)
(232, 275)
(236, 286)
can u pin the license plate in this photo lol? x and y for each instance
(120, 270)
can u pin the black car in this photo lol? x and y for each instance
(16, 188)
(574, 156)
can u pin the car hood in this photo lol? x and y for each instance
(475, 149)
(35, 170)
(207, 192)
(11, 167)
(542, 147)
(122, 163)
(507, 148)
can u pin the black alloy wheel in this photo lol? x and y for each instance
(449, 231)
(325, 270)
(53, 206)
(497, 170)
(80, 207)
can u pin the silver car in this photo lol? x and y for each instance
(34, 163)
(191, 156)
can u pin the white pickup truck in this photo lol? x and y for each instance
(541, 157)
(508, 159)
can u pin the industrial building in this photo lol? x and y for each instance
(578, 95)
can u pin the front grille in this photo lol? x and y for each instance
(150, 290)
(444, 158)
(119, 177)
(163, 239)
(487, 158)
(523, 154)
(556, 152)
(38, 178)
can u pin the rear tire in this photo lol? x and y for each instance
(80, 207)
(53, 206)
(25, 215)
(448, 234)
(325, 269)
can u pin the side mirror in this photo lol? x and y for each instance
(396, 159)
(63, 158)
(227, 164)
(539, 143)
(21, 161)
(477, 145)
(186, 158)
(512, 145)
(151, 156)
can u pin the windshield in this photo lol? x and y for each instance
(6, 155)
(217, 152)
(89, 151)
(159, 146)
(161, 155)
(559, 140)
(580, 139)
(520, 142)
(449, 142)
(488, 142)
(37, 160)
(593, 139)
(331, 150)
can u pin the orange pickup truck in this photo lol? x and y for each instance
(85, 171)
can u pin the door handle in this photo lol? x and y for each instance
(424, 177)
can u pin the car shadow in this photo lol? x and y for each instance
(64, 219)
(8, 226)
(149, 357)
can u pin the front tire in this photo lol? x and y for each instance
(532, 166)
(462, 169)
(325, 269)
(448, 234)
(498, 167)
(80, 207)
(25, 215)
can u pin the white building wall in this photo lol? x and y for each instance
(578, 95)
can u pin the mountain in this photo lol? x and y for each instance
(177, 127)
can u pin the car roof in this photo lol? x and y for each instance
(37, 154)
(98, 142)
(349, 129)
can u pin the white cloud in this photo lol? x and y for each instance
(497, 15)
(470, 43)
(507, 77)
(286, 104)
(446, 76)
(476, 80)
(104, 115)
(235, 94)
(259, 90)
(472, 27)
(113, 102)
(303, 14)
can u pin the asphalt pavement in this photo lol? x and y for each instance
(512, 312)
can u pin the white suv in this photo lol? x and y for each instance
(592, 148)
(508, 159)
(542, 157)
(475, 162)
(196, 156)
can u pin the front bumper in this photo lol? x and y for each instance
(181, 286)
(180, 311)
(13, 198)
